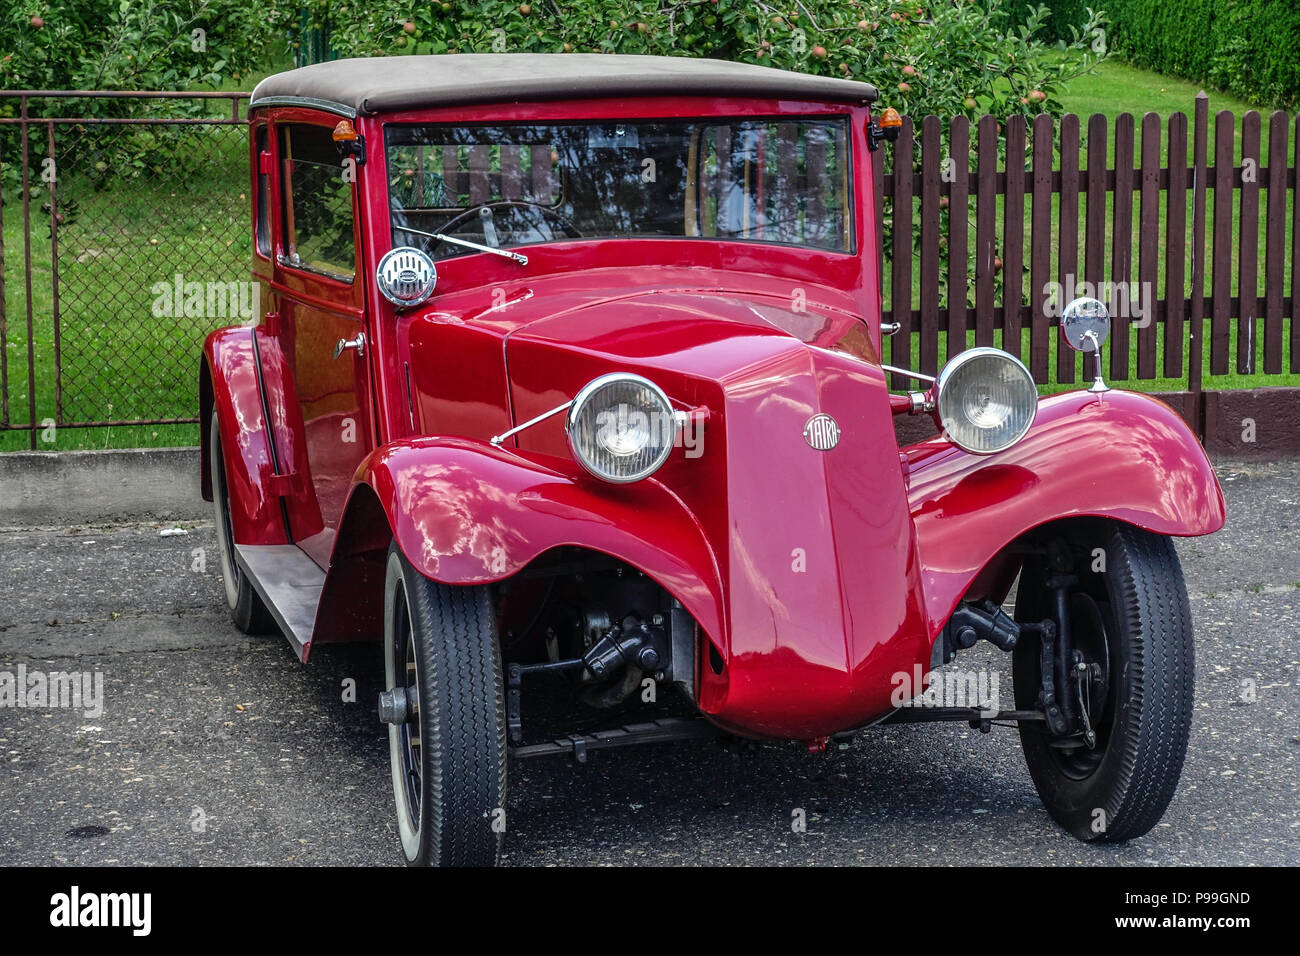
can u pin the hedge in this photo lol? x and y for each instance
(1247, 47)
(1061, 16)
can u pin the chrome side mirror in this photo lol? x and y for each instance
(1085, 326)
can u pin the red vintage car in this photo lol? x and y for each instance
(570, 378)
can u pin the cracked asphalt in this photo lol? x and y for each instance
(214, 748)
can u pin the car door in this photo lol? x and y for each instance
(320, 324)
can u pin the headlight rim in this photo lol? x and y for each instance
(955, 364)
(579, 403)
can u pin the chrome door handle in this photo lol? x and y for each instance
(359, 343)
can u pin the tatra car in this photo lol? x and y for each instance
(566, 390)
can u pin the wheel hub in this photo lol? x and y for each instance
(397, 706)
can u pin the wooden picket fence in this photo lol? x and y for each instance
(1050, 217)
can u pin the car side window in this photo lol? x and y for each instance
(316, 198)
(263, 225)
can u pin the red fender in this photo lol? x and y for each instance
(464, 512)
(228, 388)
(1124, 456)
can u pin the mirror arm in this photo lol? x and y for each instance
(876, 134)
(1099, 386)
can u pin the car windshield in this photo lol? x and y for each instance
(782, 180)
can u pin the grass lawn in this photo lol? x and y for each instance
(1116, 87)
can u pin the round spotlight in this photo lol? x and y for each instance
(986, 400)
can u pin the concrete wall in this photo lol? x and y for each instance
(87, 487)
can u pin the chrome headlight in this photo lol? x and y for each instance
(986, 400)
(621, 427)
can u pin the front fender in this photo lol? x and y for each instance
(464, 512)
(229, 388)
(1124, 456)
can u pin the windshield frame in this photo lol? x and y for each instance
(702, 110)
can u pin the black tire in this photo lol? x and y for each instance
(1135, 613)
(246, 608)
(449, 782)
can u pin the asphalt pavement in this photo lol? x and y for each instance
(214, 748)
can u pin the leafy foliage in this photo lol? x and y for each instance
(129, 44)
(124, 45)
(941, 56)
(1064, 19)
(1247, 47)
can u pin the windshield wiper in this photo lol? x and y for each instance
(517, 257)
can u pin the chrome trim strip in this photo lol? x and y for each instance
(498, 439)
(328, 106)
(441, 237)
(916, 375)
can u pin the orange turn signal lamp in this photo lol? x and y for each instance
(886, 126)
(349, 141)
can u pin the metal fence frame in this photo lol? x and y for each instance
(26, 123)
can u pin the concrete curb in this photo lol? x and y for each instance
(97, 487)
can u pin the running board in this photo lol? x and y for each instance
(289, 584)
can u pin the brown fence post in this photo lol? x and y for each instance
(1248, 244)
(1068, 259)
(1221, 277)
(1294, 176)
(4, 324)
(1013, 237)
(1176, 247)
(1094, 240)
(958, 231)
(1278, 176)
(1040, 245)
(986, 185)
(929, 324)
(901, 261)
(1195, 341)
(1121, 259)
(1148, 245)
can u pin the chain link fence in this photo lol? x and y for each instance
(125, 225)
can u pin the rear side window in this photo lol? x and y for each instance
(317, 203)
(263, 234)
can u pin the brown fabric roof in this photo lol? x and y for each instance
(411, 82)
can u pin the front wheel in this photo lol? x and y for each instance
(1130, 671)
(446, 718)
(247, 609)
